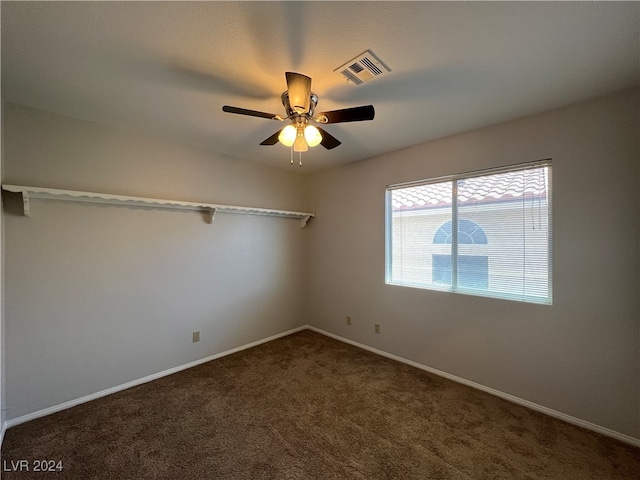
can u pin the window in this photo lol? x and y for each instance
(484, 233)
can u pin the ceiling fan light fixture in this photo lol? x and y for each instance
(312, 135)
(300, 104)
(288, 135)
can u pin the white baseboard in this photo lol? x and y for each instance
(520, 401)
(533, 406)
(103, 393)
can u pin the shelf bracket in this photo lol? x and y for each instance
(304, 220)
(211, 213)
(25, 204)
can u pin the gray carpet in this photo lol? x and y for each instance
(309, 407)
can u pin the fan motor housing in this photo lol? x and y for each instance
(292, 113)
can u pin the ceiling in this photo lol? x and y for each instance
(167, 68)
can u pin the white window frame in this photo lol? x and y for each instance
(453, 288)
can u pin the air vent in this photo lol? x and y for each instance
(363, 68)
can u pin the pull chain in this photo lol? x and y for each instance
(299, 157)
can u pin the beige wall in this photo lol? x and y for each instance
(578, 356)
(97, 296)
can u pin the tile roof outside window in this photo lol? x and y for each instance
(492, 188)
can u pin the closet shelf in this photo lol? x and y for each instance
(209, 208)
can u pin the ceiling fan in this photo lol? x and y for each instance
(300, 103)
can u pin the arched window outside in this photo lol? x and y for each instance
(468, 232)
(473, 270)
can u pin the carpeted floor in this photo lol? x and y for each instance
(309, 407)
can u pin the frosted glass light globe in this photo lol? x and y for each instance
(312, 135)
(288, 135)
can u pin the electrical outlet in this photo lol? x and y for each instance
(196, 337)
(376, 327)
(348, 320)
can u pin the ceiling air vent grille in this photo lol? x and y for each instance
(363, 68)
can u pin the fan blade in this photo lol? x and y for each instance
(328, 140)
(251, 113)
(299, 88)
(354, 114)
(272, 140)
